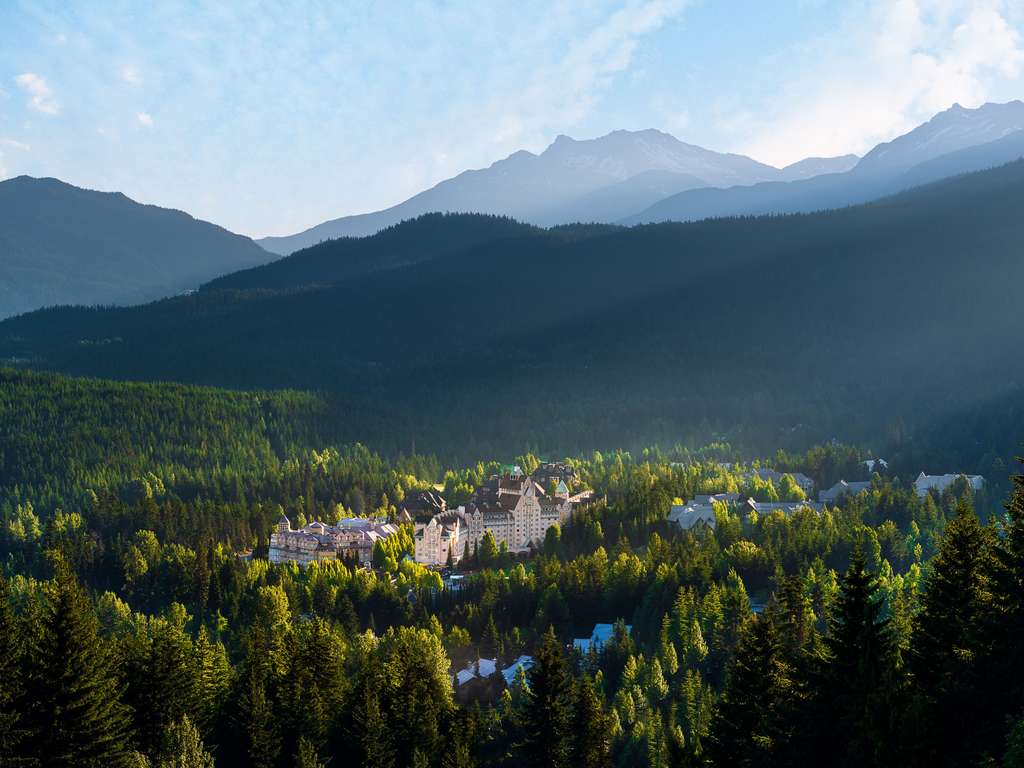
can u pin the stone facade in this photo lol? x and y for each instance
(352, 537)
(514, 508)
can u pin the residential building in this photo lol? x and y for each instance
(786, 507)
(691, 516)
(598, 638)
(842, 488)
(939, 483)
(805, 483)
(352, 537)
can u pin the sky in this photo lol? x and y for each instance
(270, 117)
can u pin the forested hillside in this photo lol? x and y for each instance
(133, 632)
(60, 244)
(840, 324)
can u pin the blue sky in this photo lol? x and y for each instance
(271, 117)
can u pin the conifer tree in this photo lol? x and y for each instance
(592, 738)
(212, 673)
(258, 726)
(857, 688)
(1003, 671)
(548, 712)
(77, 713)
(307, 756)
(749, 727)
(369, 728)
(161, 685)
(950, 640)
(182, 747)
(12, 725)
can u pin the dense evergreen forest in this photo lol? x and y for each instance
(765, 332)
(140, 623)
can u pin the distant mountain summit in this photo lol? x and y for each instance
(60, 244)
(955, 141)
(950, 131)
(593, 180)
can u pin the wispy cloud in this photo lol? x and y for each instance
(40, 97)
(913, 59)
(145, 119)
(131, 75)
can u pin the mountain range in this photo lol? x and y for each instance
(955, 141)
(60, 244)
(63, 245)
(596, 180)
(478, 328)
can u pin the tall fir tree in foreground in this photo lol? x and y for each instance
(1005, 668)
(77, 716)
(592, 730)
(547, 719)
(12, 721)
(857, 694)
(749, 728)
(951, 715)
(182, 747)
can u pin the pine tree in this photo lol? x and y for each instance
(12, 727)
(592, 738)
(369, 728)
(76, 709)
(182, 747)
(748, 728)
(307, 756)
(257, 724)
(548, 716)
(212, 673)
(1004, 675)
(857, 688)
(951, 718)
(162, 684)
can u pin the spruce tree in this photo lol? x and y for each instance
(12, 726)
(548, 712)
(257, 723)
(1004, 675)
(592, 738)
(76, 710)
(307, 756)
(951, 718)
(212, 672)
(749, 726)
(182, 747)
(369, 726)
(857, 688)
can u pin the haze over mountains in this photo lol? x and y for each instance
(63, 245)
(60, 244)
(955, 141)
(899, 310)
(597, 180)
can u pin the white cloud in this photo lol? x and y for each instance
(909, 60)
(15, 144)
(145, 119)
(40, 97)
(131, 75)
(554, 93)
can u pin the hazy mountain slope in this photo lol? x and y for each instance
(634, 194)
(63, 245)
(855, 317)
(427, 237)
(886, 169)
(954, 129)
(817, 166)
(535, 188)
